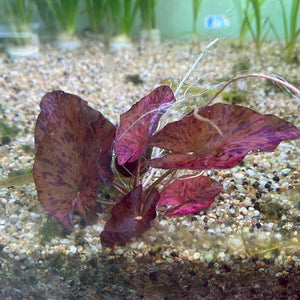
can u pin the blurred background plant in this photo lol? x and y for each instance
(65, 12)
(47, 28)
(252, 13)
(291, 28)
(96, 10)
(19, 15)
(59, 18)
(149, 31)
(148, 14)
(196, 8)
(122, 15)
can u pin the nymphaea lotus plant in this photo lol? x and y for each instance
(75, 146)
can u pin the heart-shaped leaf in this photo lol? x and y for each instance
(130, 217)
(189, 195)
(74, 154)
(48, 106)
(196, 144)
(138, 124)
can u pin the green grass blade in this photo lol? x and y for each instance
(196, 8)
(285, 23)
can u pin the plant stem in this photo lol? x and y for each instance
(120, 188)
(193, 67)
(284, 83)
(275, 248)
(160, 179)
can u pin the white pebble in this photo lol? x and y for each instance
(243, 211)
(209, 257)
(221, 256)
(119, 251)
(256, 213)
(239, 175)
(250, 173)
(196, 256)
(134, 245)
(73, 249)
(235, 242)
(3, 201)
(247, 201)
(34, 216)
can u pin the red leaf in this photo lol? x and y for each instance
(129, 169)
(139, 123)
(130, 217)
(196, 145)
(189, 195)
(73, 156)
(48, 106)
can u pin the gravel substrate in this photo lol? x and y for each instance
(246, 245)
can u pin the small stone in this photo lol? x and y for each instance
(247, 202)
(221, 256)
(239, 175)
(251, 173)
(243, 211)
(73, 249)
(134, 245)
(286, 171)
(209, 257)
(235, 242)
(34, 216)
(256, 213)
(3, 201)
(196, 255)
(119, 251)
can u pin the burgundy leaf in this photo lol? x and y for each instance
(189, 195)
(130, 217)
(73, 156)
(139, 123)
(196, 145)
(129, 169)
(48, 106)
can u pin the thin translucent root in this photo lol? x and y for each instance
(193, 67)
(191, 177)
(198, 117)
(106, 202)
(275, 79)
(275, 248)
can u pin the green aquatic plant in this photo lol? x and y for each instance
(96, 10)
(7, 130)
(20, 14)
(65, 12)
(46, 15)
(291, 28)
(147, 8)
(248, 17)
(196, 8)
(51, 229)
(122, 14)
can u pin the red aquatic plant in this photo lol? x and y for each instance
(75, 145)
